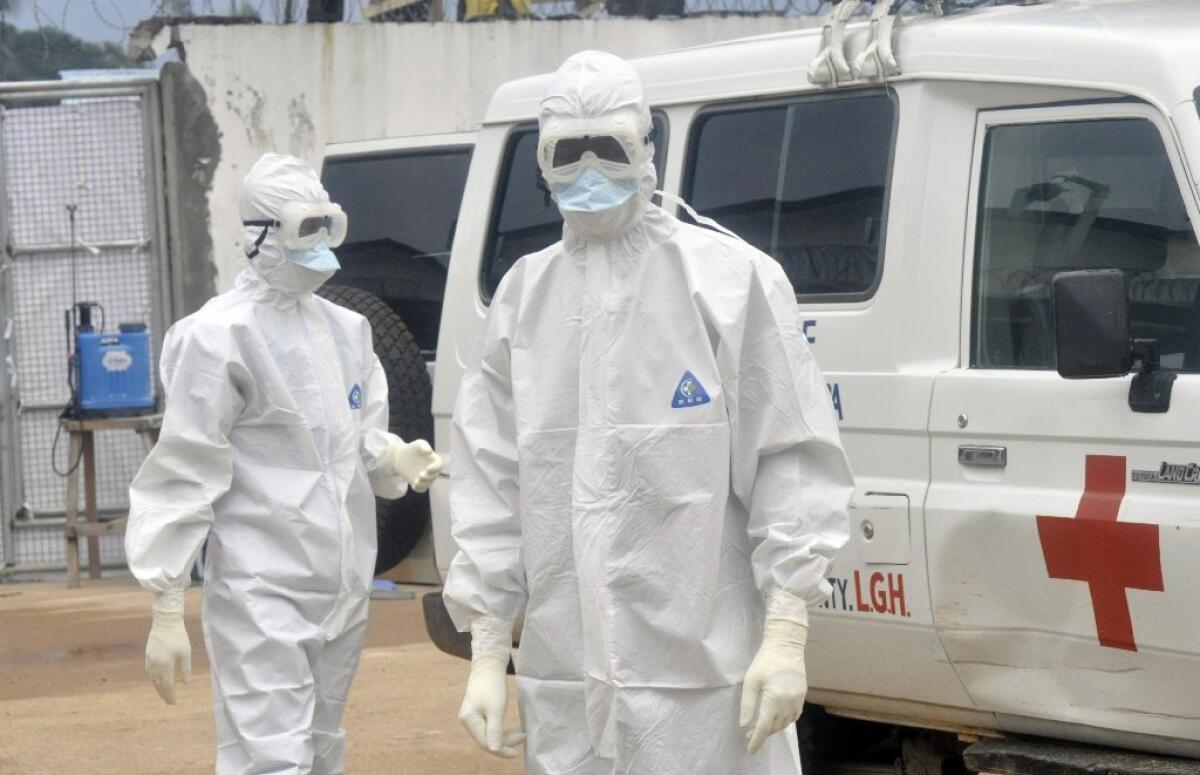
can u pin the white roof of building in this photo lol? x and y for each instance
(1149, 49)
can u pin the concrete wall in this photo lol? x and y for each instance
(295, 88)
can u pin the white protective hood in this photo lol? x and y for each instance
(592, 85)
(275, 180)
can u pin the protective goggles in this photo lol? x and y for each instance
(302, 226)
(612, 146)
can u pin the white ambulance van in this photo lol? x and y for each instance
(990, 221)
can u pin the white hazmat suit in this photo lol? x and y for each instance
(646, 461)
(275, 439)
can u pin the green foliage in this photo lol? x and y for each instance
(38, 55)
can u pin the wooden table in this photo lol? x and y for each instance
(81, 452)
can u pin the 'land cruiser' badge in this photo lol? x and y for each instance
(1170, 473)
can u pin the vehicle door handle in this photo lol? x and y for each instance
(983, 456)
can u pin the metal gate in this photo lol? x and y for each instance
(94, 147)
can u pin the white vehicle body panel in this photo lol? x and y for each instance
(947, 617)
(390, 144)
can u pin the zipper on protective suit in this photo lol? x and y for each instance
(596, 380)
(335, 620)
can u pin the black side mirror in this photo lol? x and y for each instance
(1091, 331)
(1091, 324)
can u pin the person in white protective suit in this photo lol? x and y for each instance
(647, 465)
(274, 444)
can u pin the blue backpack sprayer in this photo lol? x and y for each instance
(108, 372)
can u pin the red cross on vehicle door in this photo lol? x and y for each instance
(1108, 555)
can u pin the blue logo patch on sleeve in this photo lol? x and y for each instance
(689, 393)
(356, 397)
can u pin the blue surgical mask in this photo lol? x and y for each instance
(593, 191)
(318, 259)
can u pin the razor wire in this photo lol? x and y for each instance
(550, 10)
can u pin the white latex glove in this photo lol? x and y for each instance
(775, 684)
(416, 462)
(168, 650)
(486, 699)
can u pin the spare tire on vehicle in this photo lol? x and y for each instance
(402, 522)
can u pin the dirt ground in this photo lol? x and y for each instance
(74, 699)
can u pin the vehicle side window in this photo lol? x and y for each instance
(804, 181)
(735, 167)
(401, 210)
(1087, 194)
(524, 217)
(407, 200)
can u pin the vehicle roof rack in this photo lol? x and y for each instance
(878, 59)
